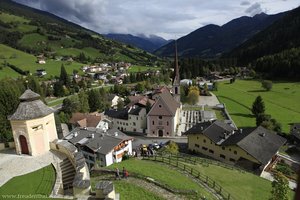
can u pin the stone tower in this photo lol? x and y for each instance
(176, 78)
(33, 125)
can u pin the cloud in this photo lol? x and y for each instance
(245, 3)
(168, 18)
(254, 9)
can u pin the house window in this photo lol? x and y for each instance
(159, 105)
(152, 122)
(153, 132)
(211, 151)
(231, 159)
(137, 118)
(197, 145)
(126, 124)
(204, 148)
(223, 148)
(167, 123)
(229, 149)
(235, 152)
(160, 123)
(197, 137)
(222, 156)
(159, 117)
(167, 133)
(204, 140)
(133, 123)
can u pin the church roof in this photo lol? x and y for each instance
(31, 107)
(166, 105)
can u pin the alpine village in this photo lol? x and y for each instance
(211, 115)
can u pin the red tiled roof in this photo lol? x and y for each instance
(85, 120)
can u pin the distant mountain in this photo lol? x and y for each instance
(275, 51)
(213, 40)
(141, 41)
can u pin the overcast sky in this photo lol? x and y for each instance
(167, 18)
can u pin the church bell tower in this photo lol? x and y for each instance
(176, 78)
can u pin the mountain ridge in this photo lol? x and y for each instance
(212, 40)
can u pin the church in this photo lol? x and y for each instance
(33, 125)
(164, 117)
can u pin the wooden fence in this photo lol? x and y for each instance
(179, 163)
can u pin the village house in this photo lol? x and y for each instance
(114, 99)
(41, 72)
(83, 120)
(133, 118)
(102, 146)
(250, 148)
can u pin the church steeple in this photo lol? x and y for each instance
(176, 77)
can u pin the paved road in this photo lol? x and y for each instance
(138, 140)
(208, 100)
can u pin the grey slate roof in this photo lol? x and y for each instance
(262, 144)
(31, 107)
(119, 114)
(216, 131)
(29, 95)
(102, 142)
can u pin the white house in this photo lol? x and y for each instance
(102, 146)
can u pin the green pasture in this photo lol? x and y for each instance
(282, 102)
(28, 62)
(7, 18)
(139, 68)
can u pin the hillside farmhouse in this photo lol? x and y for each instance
(251, 148)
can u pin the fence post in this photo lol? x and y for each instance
(192, 171)
(220, 190)
(195, 161)
(169, 159)
(155, 157)
(214, 184)
(177, 163)
(162, 159)
(228, 198)
(184, 167)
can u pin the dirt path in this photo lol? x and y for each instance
(154, 189)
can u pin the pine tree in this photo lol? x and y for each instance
(58, 89)
(64, 77)
(258, 106)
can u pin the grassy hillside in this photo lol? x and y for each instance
(281, 102)
(36, 32)
(27, 61)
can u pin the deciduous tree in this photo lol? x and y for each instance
(280, 187)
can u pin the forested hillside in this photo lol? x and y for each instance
(274, 51)
(212, 40)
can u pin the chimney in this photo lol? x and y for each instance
(92, 135)
(75, 134)
(241, 130)
(201, 128)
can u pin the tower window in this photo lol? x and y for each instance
(176, 90)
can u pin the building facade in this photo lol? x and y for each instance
(163, 118)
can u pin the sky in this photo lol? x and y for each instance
(169, 19)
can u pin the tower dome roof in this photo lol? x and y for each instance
(31, 107)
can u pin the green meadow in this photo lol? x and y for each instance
(28, 62)
(282, 102)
